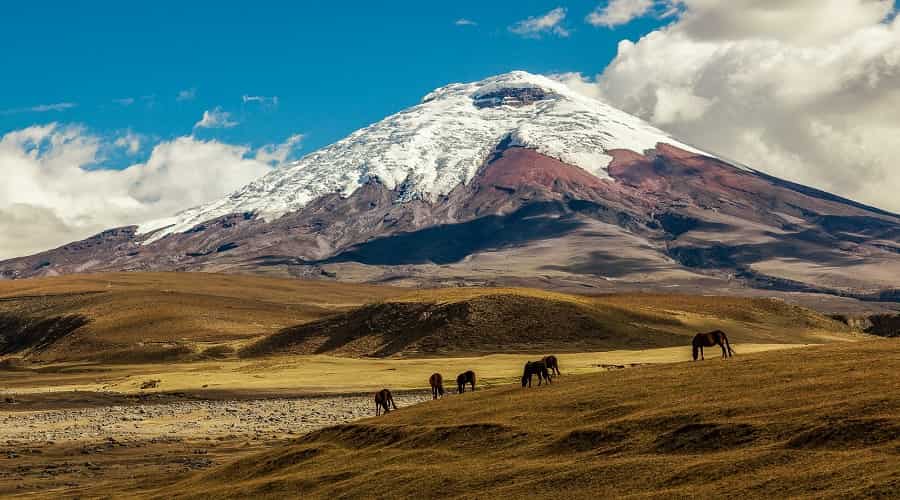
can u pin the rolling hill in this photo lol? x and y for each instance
(153, 317)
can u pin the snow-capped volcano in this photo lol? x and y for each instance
(432, 147)
(515, 179)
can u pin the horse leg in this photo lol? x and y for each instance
(701, 354)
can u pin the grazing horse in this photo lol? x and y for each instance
(538, 368)
(465, 378)
(437, 385)
(552, 364)
(709, 339)
(384, 399)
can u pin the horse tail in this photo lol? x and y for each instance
(727, 344)
(391, 399)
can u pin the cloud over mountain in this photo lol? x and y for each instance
(52, 192)
(804, 90)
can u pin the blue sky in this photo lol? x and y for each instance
(334, 66)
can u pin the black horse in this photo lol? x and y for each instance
(465, 378)
(538, 368)
(384, 400)
(552, 364)
(710, 339)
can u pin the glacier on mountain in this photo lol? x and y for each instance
(434, 146)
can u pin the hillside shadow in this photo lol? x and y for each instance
(450, 243)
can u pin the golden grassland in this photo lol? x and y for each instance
(318, 374)
(816, 422)
(135, 318)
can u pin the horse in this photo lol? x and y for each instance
(538, 368)
(384, 399)
(437, 385)
(465, 378)
(552, 364)
(710, 339)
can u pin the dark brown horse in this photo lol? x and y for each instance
(465, 378)
(533, 368)
(384, 399)
(437, 385)
(709, 339)
(552, 364)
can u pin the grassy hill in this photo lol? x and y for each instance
(477, 320)
(815, 422)
(158, 316)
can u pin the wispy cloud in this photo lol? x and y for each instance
(534, 27)
(261, 99)
(465, 22)
(186, 95)
(276, 154)
(216, 118)
(125, 101)
(40, 108)
(130, 142)
(619, 12)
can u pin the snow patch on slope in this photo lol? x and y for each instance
(439, 144)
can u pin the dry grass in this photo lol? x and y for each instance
(818, 423)
(298, 375)
(131, 314)
(167, 317)
(472, 321)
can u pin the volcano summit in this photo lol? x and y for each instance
(515, 179)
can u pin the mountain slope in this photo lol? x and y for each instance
(515, 180)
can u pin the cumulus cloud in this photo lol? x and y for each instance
(618, 12)
(534, 27)
(52, 190)
(806, 90)
(275, 154)
(40, 108)
(216, 118)
(186, 95)
(465, 22)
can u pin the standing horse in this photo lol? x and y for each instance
(709, 339)
(552, 364)
(465, 378)
(437, 385)
(538, 368)
(384, 399)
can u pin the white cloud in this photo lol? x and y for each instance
(51, 192)
(534, 27)
(275, 154)
(261, 99)
(216, 118)
(125, 101)
(40, 108)
(618, 12)
(465, 22)
(807, 90)
(186, 95)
